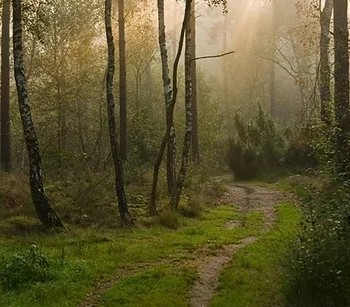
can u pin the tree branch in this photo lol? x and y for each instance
(213, 56)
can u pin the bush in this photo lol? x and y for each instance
(301, 151)
(169, 219)
(25, 268)
(256, 147)
(319, 268)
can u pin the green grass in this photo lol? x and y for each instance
(81, 257)
(160, 286)
(255, 276)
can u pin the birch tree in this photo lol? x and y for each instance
(42, 207)
(189, 115)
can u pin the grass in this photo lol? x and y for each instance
(255, 276)
(82, 257)
(159, 286)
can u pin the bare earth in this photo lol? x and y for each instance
(247, 198)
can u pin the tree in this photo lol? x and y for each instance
(5, 88)
(168, 97)
(272, 72)
(118, 165)
(189, 114)
(122, 82)
(341, 84)
(195, 137)
(171, 93)
(42, 207)
(325, 70)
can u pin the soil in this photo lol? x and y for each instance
(245, 197)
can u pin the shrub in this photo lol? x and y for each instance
(319, 269)
(301, 151)
(169, 219)
(24, 268)
(256, 147)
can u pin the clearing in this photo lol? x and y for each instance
(156, 266)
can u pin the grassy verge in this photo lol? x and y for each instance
(256, 276)
(81, 257)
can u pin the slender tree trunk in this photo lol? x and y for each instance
(168, 93)
(325, 70)
(42, 207)
(170, 112)
(195, 136)
(122, 82)
(118, 165)
(5, 89)
(341, 85)
(189, 118)
(272, 64)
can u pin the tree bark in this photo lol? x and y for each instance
(122, 82)
(325, 70)
(118, 166)
(272, 64)
(341, 85)
(189, 118)
(195, 132)
(170, 112)
(168, 95)
(42, 207)
(5, 89)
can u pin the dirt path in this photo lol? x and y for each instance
(247, 198)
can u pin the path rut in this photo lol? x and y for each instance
(247, 198)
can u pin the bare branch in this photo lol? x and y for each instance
(213, 56)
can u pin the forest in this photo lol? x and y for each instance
(175, 153)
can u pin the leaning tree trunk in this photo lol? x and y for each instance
(118, 166)
(325, 70)
(170, 113)
(122, 82)
(5, 88)
(42, 207)
(341, 85)
(168, 93)
(189, 119)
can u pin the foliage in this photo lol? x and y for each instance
(169, 219)
(318, 268)
(257, 146)
(26, 268)
(301, 153)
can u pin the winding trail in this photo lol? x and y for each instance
(244, 197)
(247, 198)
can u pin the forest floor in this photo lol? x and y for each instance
(230, 256)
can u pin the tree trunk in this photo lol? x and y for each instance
(341, 85)
(195, 136)
(189, 118)
(118, 166)
(272, 64)
(168, 93)
(325, 70)
(5, 89)
(171, 106)
(122, 82)
(42, 207)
